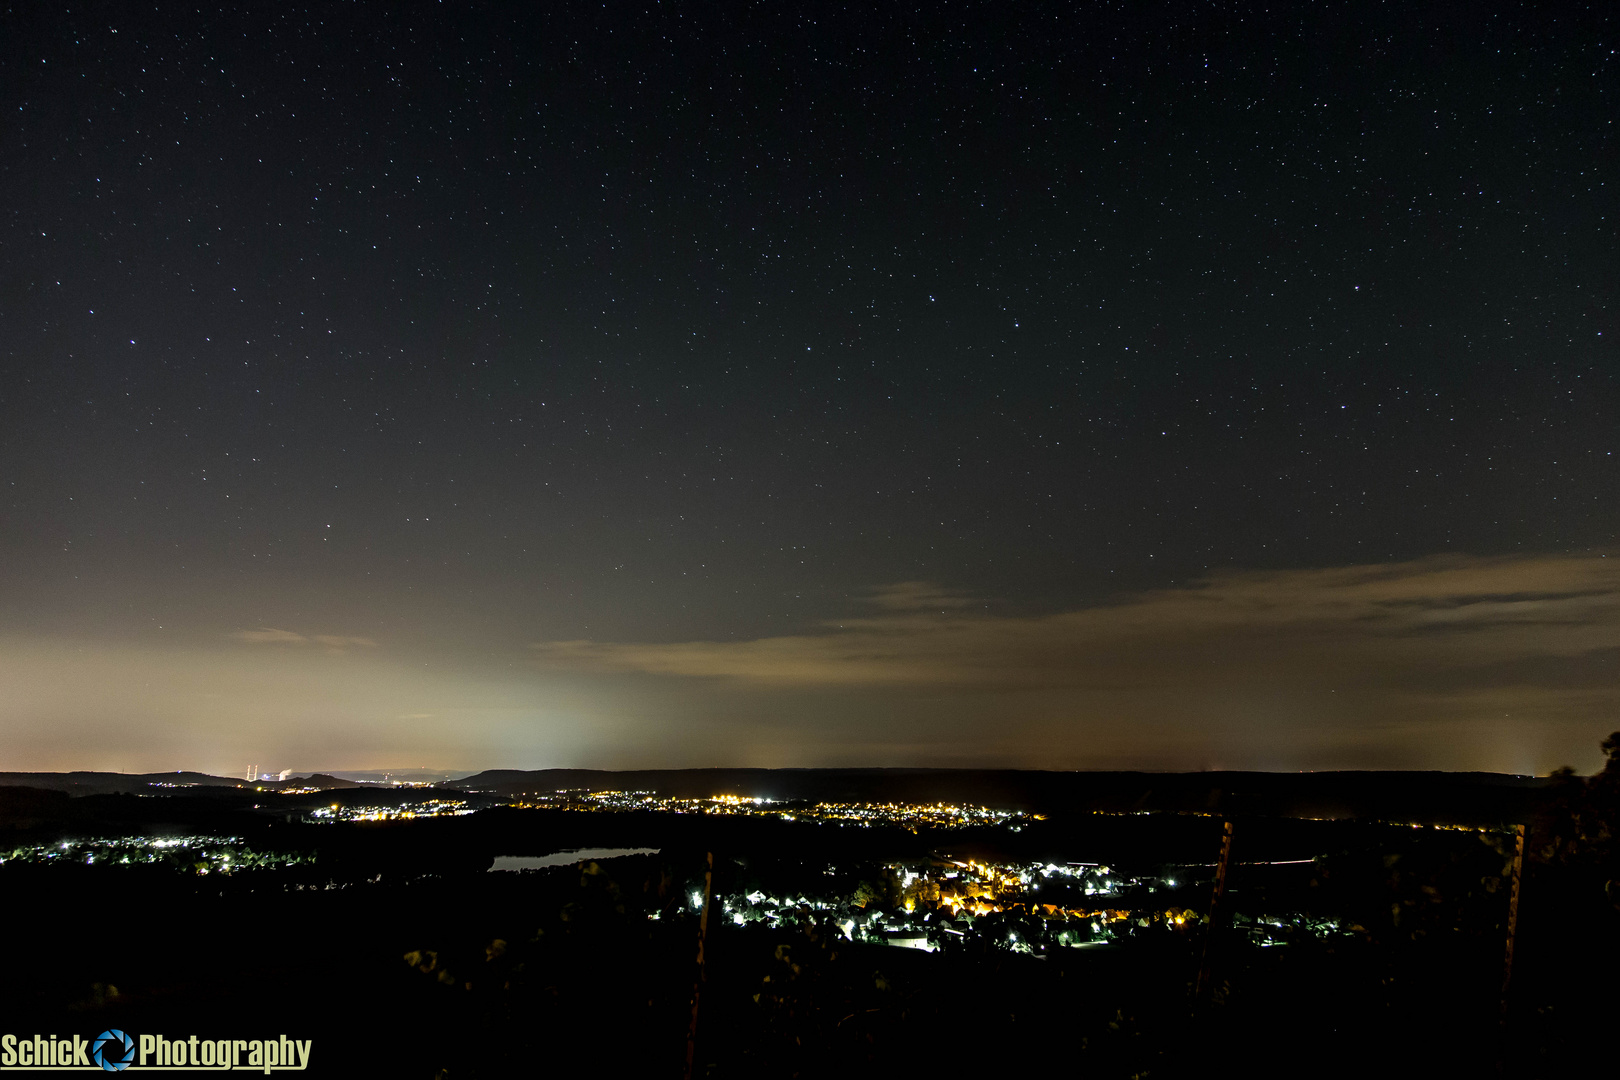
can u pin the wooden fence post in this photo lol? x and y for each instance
(1205, 965)
(702, 970)
(1513, 911)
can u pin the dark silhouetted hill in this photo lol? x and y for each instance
(1437, 797)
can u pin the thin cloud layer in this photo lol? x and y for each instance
(1434, 625)
(918, 596)
(1501, 664)
(267, 635)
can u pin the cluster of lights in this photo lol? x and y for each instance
(914, 815)
(945, 899)
(975, 888)
(1270, 930)
(622, 801)
(201, 854)
(887, 814)
(761, 907)
(431, 808)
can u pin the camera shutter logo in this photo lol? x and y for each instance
(106, 1048)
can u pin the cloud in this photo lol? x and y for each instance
(1506, 664)
(333, 643)
(918, 596)
(1427, 622)
(268, 636)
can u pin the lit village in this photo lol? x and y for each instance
(929, 904)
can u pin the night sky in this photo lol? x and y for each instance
(1086, 386)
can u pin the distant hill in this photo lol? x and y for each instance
(108, 783)
(1436, 797)
(1392, 796)
(322, 781)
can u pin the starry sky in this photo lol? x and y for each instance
(1176, 385)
